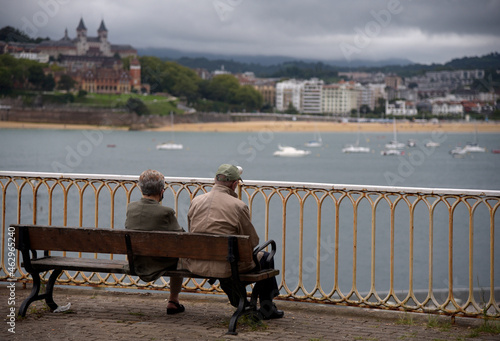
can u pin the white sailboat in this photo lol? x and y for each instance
(432, 144)
(171, 145)
(392, 152)
(474, 146)
(356, 148)
(458, 152)
(470, 147)
(394, 144)
(287, 151)
(316, 141)
(411, 143)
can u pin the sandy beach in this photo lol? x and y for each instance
(288, 126)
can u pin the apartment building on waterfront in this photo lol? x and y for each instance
(315, 97)
(312, 95)
(289, 93)
(341, 98)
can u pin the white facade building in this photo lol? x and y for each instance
(447, 108)
(400, 108)
(370, 93)
(289, 92)
(340, 98)
(39, 57)
(311, 96)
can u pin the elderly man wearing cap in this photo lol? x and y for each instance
(221, 212)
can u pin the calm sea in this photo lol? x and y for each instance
(131, 152)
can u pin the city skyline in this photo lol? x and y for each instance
(421, 31)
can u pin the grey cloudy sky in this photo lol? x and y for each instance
(423, 31)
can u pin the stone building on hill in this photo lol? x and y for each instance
(93, 62)
(84, 45)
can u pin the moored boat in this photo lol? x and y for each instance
(169, 146)
(287, 151)
(355, 149)
(392, 152)
(432, 144)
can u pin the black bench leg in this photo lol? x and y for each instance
(33, 295)
(244, 307)
(49, 299)
(234, 319)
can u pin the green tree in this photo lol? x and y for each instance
(152, 69)
(66, 82)
(134, 104)
(36, 76)
(6, 83)
(364, 109)
(248, 98)
(380, 106)
(291, 109)
(222, 88)
(82, 93)
(48, 83)
(180, 81)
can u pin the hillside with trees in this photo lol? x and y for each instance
(221, 93)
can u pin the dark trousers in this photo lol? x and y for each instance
(266, 289)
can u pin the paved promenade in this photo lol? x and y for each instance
(97, 314)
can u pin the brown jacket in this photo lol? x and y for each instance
(150, 215)
(219, 212)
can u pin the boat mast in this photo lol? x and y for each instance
(394, 129)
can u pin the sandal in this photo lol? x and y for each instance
(179, 308)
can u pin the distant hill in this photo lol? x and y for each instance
(282, 66)
(172, 54)
(11, 34)
(489, 61)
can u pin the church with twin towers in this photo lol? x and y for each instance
(85, 45)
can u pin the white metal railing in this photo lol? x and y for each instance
(417, 249)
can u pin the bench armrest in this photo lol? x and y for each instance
(262, 247)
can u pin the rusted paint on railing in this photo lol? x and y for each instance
(68, 195)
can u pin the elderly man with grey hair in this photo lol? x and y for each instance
(148, 214)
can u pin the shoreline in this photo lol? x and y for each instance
(282, 126)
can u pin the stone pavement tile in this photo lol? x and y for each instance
(98, 314)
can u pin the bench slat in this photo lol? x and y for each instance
(81, 264)
(121, 267)
(144, 243)
(259, 276)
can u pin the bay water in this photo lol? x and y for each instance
(131, 152)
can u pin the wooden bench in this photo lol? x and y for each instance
(227, 248)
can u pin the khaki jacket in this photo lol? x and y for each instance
(150, 215)
(219, 212)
